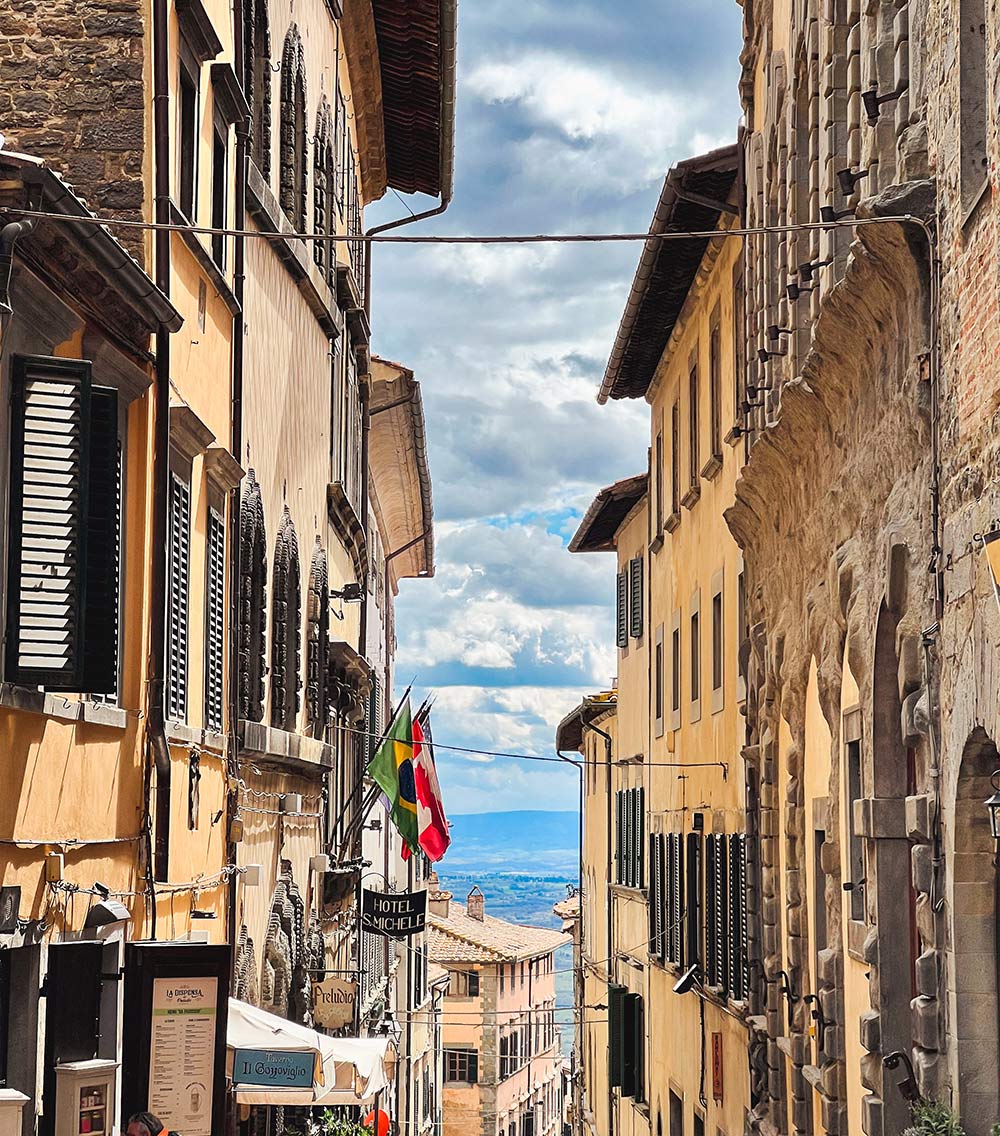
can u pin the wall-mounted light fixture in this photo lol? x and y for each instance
(349, 593)
(848, 180)
(688, 980)
(993, 807)
(908, 1085)
(873, 102)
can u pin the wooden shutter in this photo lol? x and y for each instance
(711, 896)
(633, 1036)
(102, 586)
(621, 618)
(640, 838)
(675, 897)
(738, 945)
(620, 840)
(655, 898)
(693, 899)
(215, 622)
(47, 553)
(635, 597)
(721, 914)
(616, 1035)
(473, 1067)
(177, 598)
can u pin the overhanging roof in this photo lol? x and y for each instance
(667, 269)
(569, 732)
(608, 510)
(416, 49)
(399, 469)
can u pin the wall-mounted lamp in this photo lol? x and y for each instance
(688, 980)
(873, 101)
(848, 180)
(828, 215)
(908, 1085)
(993, 807)
(349, 593)
(807, 271)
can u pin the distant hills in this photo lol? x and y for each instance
(533, 842)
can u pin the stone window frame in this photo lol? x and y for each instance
(676, 670)
(286, 627)
(690, 498)
(674, 519)
(659, 683)
(852, 732)
(257, 81)
(718, 639)
(713, 463)
(188, 149)
(253, 602)
(293, 149)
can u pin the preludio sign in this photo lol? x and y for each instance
(396, 914)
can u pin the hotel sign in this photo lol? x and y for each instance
(333, 1003)
(396, 914)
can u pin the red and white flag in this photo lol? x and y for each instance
(432, 824)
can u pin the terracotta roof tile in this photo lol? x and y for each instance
(460, 938)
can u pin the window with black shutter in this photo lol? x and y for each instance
(693, 903)
(716, 913)
(635, 597)
(711, 895)
(64, 529)
(621, 615)
(215, 621)
(179, 543)
(633, 1030)
(675, 899)
(616, 1035)
(738, 944)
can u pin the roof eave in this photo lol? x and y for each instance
(624, 495)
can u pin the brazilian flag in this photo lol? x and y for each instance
(392, 769)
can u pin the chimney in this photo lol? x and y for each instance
(438, 903)
(475, 904)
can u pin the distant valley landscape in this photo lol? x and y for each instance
(523, 862)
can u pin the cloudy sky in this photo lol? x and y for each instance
(569, 114)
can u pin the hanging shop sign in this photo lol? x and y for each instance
(396, 914)
(333, 1002)
(718, 1073)
(282, 1070)
(174, 1041)
(10, 907)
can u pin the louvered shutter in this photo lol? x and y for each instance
(621, 618)
(675, 908)
(374, 716)
(616, 1035)
(215, 596)
(655, 943)
(711, 946)
(619, 837)
(640, 840)
(47, 554)
(693, 898)
(738, 930)
(661, 904)
(102, 586)
(721, 914)
(635, 597)
(177, 598)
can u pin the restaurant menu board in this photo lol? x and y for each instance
(182, 1053)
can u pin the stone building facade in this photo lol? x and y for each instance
(869, 405)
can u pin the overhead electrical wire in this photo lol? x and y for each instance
(469, 239)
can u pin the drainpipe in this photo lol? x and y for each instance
(364, 390)
(578, 979)
(612, 969)
(235, 448)
(158, 752)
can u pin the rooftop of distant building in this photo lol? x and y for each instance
(459, 936)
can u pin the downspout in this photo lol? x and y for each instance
(9, 236)
(578, 980)
(235, 448)
(158, 753)
(612, 969)
(364, 390)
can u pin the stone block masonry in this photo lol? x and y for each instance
(71, 93)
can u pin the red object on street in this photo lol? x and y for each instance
(378, 1122)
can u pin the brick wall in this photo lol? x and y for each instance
(71, 92)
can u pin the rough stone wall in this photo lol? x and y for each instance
(71, 92)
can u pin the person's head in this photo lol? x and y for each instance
(144, 1124)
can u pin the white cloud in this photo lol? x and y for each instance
(595, 126)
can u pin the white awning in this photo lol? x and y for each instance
(347, 1070)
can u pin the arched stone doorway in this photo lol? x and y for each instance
(972, 976)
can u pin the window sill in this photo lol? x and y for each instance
(204, 259)
(181, 734)
(713, 467)
(60, 708)
(690, 499)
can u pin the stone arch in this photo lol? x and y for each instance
(286, 628)
(324, 183)
(253, 601)
(974, 954)
(317, 634)
(292, 186)
(257, 81)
